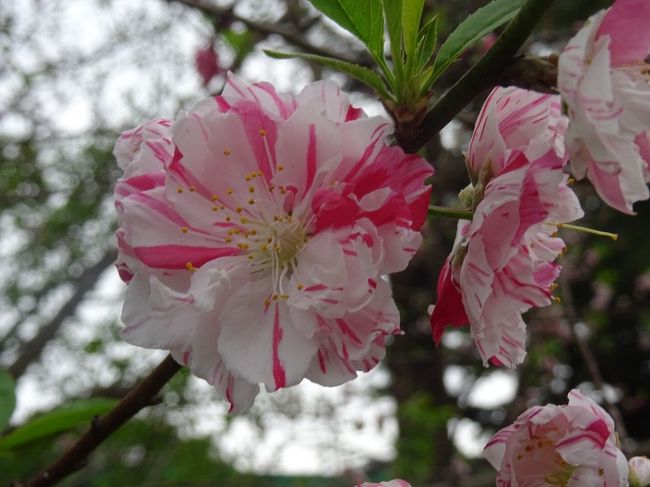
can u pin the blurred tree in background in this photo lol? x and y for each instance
(73, 75)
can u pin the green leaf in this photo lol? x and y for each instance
(393, 14)
(365, 75)
(427, 42)
(7, 398)
(473, 29)
(411, 15)
(362, 18)
(57, 421)
(241, 42)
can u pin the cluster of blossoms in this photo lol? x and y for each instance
(502, 263)
(256, 231)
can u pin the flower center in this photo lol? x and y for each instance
(279, 243)
(272, 247)
(540, 458)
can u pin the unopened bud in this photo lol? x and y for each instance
(639, 472)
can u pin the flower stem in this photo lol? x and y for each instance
(578, 228)
(458, 213)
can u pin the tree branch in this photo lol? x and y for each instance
(291, 36)
(483, 75)
(102, 427)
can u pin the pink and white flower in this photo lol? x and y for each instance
(639, 471)
(259, 249)
(142, 154)
(145, 149)
(572, 445)
(604, 79)
(516, 119)
(502, 263)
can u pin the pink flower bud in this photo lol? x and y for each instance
(207, 63)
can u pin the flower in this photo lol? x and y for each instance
(571, 446)
(145, 149)
(142, 154)
(258, 251)
(639, 471)
(207, 63)
(502, 263)
(389, 483)
(516, 119)
(604, 79)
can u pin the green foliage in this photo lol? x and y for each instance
(423, 422)
(241, 42)
(362, 18)
(472, 30)
(401, 86)
(427, 43)
(148, 453)
(7, 398)
(364, 75)
(405, 87)
(56, 421)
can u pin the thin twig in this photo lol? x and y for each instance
(589, 359)
(290, 35)
(479, 78)
(140, 396)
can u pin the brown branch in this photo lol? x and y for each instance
(482, 76)
(290, 35)
(531, 73)
(32, 350)
(102, 427)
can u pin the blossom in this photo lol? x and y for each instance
(145, 149)
(259, 249)
(142, 154)
(572, 446)
(516, 119)
(389, 483)
(502, 263)
(207, 63)
(604, 79)
(639, 471)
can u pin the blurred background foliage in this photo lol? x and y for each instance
(72, 76)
